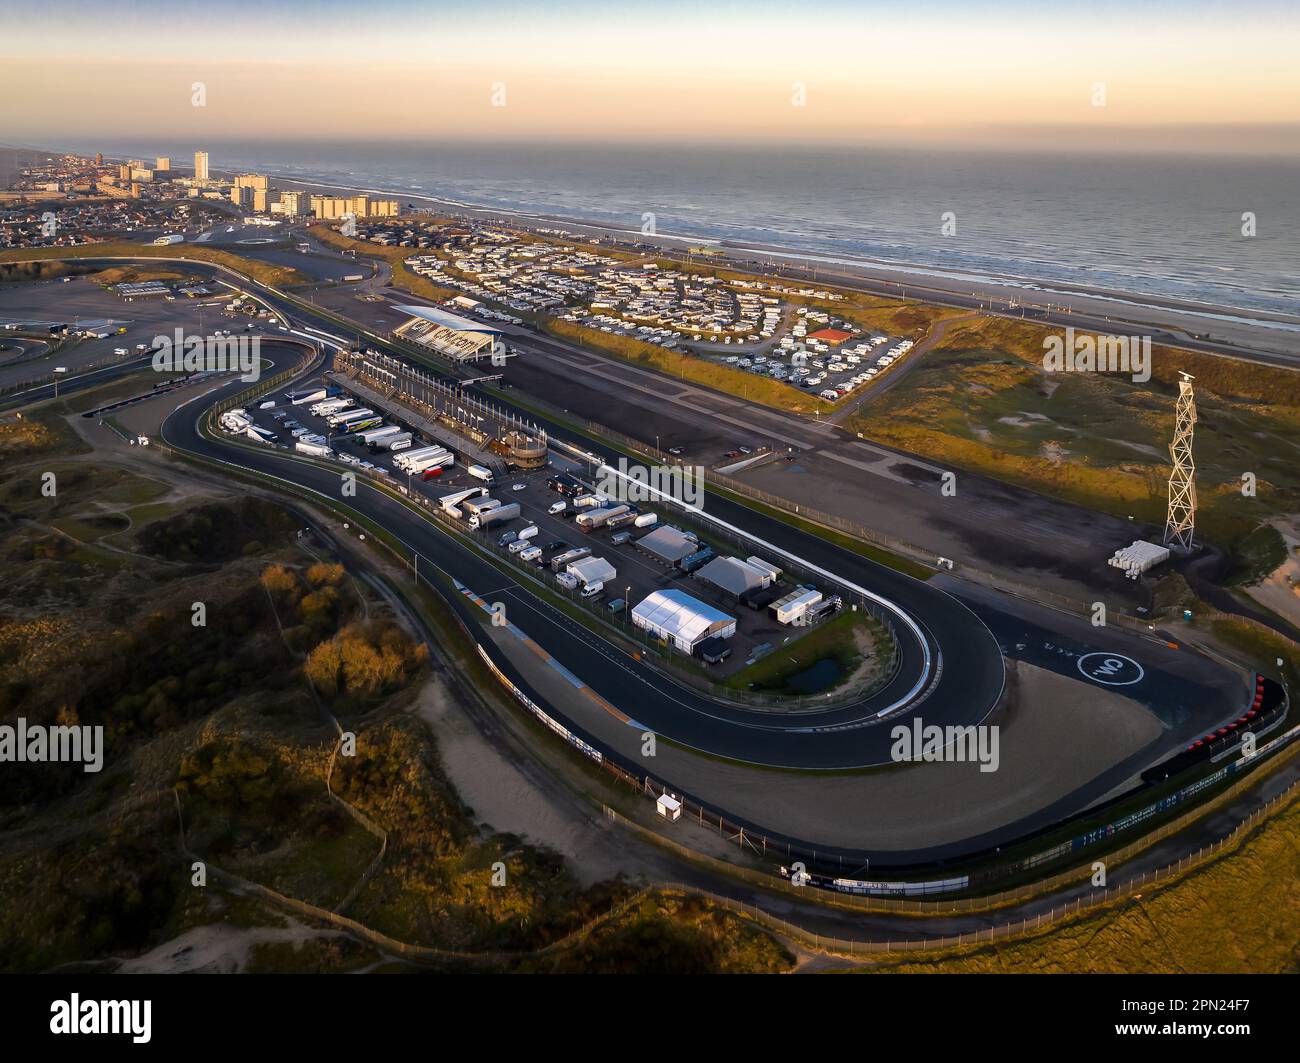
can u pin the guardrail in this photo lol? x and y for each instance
(49, 378)
(760, 843)
(1012, 928)
(834, 522)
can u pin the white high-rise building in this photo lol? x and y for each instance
(200, 165)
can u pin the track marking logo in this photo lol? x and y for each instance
(1111, 669)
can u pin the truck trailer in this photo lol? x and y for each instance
(561, 561)
(374, 435)
(493, 517)
(429, 461)
(327, 406)
(373, 421)
(418, 452)
(595, 518)
(345, 417)
(480, 472)
(297, 398)
(477, 506)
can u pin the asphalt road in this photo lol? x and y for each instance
(969, 661)
(966, 691)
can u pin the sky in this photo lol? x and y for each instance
(1153, 75)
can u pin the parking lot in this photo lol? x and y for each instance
(81, 304)
(636, 573)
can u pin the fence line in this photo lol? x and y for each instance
(900, 905)
(50, 378)
(758, 842)
(835, 522)
(1011, 928)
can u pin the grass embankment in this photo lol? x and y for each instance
(31, 434)
(983, 401)
(222, 712)
(1237, 914)
(262, 272)
(16, 272)
(1263, 649)
(839, 639)
(137, 274)
(723, 378)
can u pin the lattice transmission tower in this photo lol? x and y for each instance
(1180, 524)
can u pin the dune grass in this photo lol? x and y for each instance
(982, 400)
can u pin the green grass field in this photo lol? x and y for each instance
(981, 400)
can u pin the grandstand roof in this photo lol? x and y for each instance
(447, 333)
(446, 319)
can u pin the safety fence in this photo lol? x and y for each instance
(1100, 897)
(837, 523)
(975, 895)
(763, 844)
(47, 379)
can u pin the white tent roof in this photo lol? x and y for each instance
(592, 569)
(678, 614)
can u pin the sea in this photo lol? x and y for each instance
(1162, 226)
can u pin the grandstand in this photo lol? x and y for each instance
(448, 334)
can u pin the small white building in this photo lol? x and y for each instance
(791, 608)
(669, 807)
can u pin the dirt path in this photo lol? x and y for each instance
(889, 379)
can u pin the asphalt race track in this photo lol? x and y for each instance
(967, 689)
(964, 654)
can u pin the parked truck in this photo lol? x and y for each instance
(346, 417)
(415, 453)
(316, 450)
(476, 506)
(327, 406)
(595, 518)
(401, 441)
(480, 472)
(427, 462)
(373, 421)
(297, 398)
(496, 516)
(646, 520)
(375, 435)
(696, 560)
